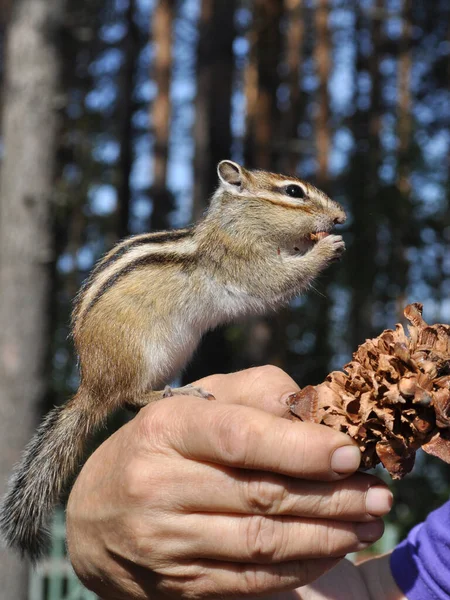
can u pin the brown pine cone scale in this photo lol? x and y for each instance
(392, 398)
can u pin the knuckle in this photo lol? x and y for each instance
(326, 539)
(319, 506)
(212, 381)
(264, 496)
(188, 581)
(339, 506)
(333, 504)
(261, 538)
(334, 539)
(137, 544)
(269, 372)
(134, 481)
(235, 438)
(158, 423)
(150, 419)
(255, 581)
(322, 540)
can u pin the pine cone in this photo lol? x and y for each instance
(392, 398)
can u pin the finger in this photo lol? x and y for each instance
(248, 438)
(359, 498)
(267, 539)
(264, 539)
(233, 579)
(265, 387)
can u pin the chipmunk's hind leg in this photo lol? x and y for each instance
(187, 390)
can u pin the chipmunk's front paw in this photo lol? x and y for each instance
(332, 247)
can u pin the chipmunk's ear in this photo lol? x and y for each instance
(230, 173)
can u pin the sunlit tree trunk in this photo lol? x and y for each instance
(30, 122)
(293, 52)
(323, 65)
(251, 91)
(162, 29)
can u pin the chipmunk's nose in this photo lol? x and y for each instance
(340, 218)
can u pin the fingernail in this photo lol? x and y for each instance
(369, 532)
(346, 459)
(378, 501)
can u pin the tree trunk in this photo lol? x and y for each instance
(214, 93)
(364, 184)
(291, 119)
(399, 221)
(162, 25)
(213, 140)
(322, 306)
(125, 119)
(30, 124)
(322, 59)
(263, 117)
(266, 126)
(202, 125)
(404, 116)
(265, 336)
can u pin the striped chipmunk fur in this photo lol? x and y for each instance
(141, 313)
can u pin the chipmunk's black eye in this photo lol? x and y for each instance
(295, 191)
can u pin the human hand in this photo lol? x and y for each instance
(198, 499)
(347, 581)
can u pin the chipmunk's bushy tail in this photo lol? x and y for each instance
(49, 463)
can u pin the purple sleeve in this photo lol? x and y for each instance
(421, 563)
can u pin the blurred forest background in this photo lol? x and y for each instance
(114, 115)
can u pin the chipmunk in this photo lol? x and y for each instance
(140, 315)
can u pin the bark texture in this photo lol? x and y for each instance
(213, 140)
(29, 125)
(294, 56)
(125, 119)
(161, 31)
(323, 66)
(262, 81)
(212, 130)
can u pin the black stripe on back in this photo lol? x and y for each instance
(151, 238)
(139, 263)
(159, 237)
